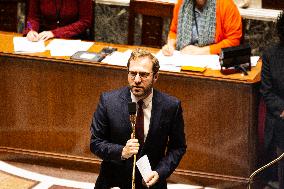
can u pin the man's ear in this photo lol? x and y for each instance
(155, 77)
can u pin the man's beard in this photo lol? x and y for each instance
(141, 91)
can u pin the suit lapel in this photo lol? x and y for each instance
(156, 114)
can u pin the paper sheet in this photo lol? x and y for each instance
(118, 58)
(23, 45)
(62, 47)
(144, 166)
(170, 68)
(254, 60)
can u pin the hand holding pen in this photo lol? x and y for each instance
(32, 35)
(35, 36)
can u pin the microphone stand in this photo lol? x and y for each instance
(132, 113)
(133, 123)
(262, 168)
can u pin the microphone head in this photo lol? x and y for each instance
(132, 108)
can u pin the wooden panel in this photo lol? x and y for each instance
(152, 28)
(8, 16)
(152, 13)
(273, 4)
(46, 105)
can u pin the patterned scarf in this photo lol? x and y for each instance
(186, 20)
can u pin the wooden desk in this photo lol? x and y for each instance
(46, 106)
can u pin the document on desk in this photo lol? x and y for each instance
(144, 166)
(254, 60)
(64, 47)
(117, 58)
(23, 45)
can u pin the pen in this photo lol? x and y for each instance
(29, 25)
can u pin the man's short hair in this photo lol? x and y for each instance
(140, 53)
(280, 26)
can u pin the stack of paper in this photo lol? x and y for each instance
(23, 45)
(178, 60)
(194, 62)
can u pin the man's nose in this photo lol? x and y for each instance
(137, 78)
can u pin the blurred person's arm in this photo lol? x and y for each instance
(228, 26)
(33, 20)
(274, 103)
(169, 48)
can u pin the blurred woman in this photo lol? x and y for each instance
(204, 27)
(58, 18)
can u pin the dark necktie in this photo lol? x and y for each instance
(140, 123)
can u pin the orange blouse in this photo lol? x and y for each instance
(228, 25)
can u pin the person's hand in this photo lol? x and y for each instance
(195, 50)
(152, 179)
(282, 115)
(45, 35)
(131, 148)
(168, 50)
(33, 36)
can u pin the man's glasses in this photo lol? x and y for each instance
(142, 75)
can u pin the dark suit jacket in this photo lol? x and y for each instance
(272, 89)
(165, 143)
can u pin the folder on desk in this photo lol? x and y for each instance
(193, 68)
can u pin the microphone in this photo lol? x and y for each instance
(132, 115)
(250, 181)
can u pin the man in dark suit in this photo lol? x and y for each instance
(272, 89)
(163, 138)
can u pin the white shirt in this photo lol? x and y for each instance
(147, 108)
